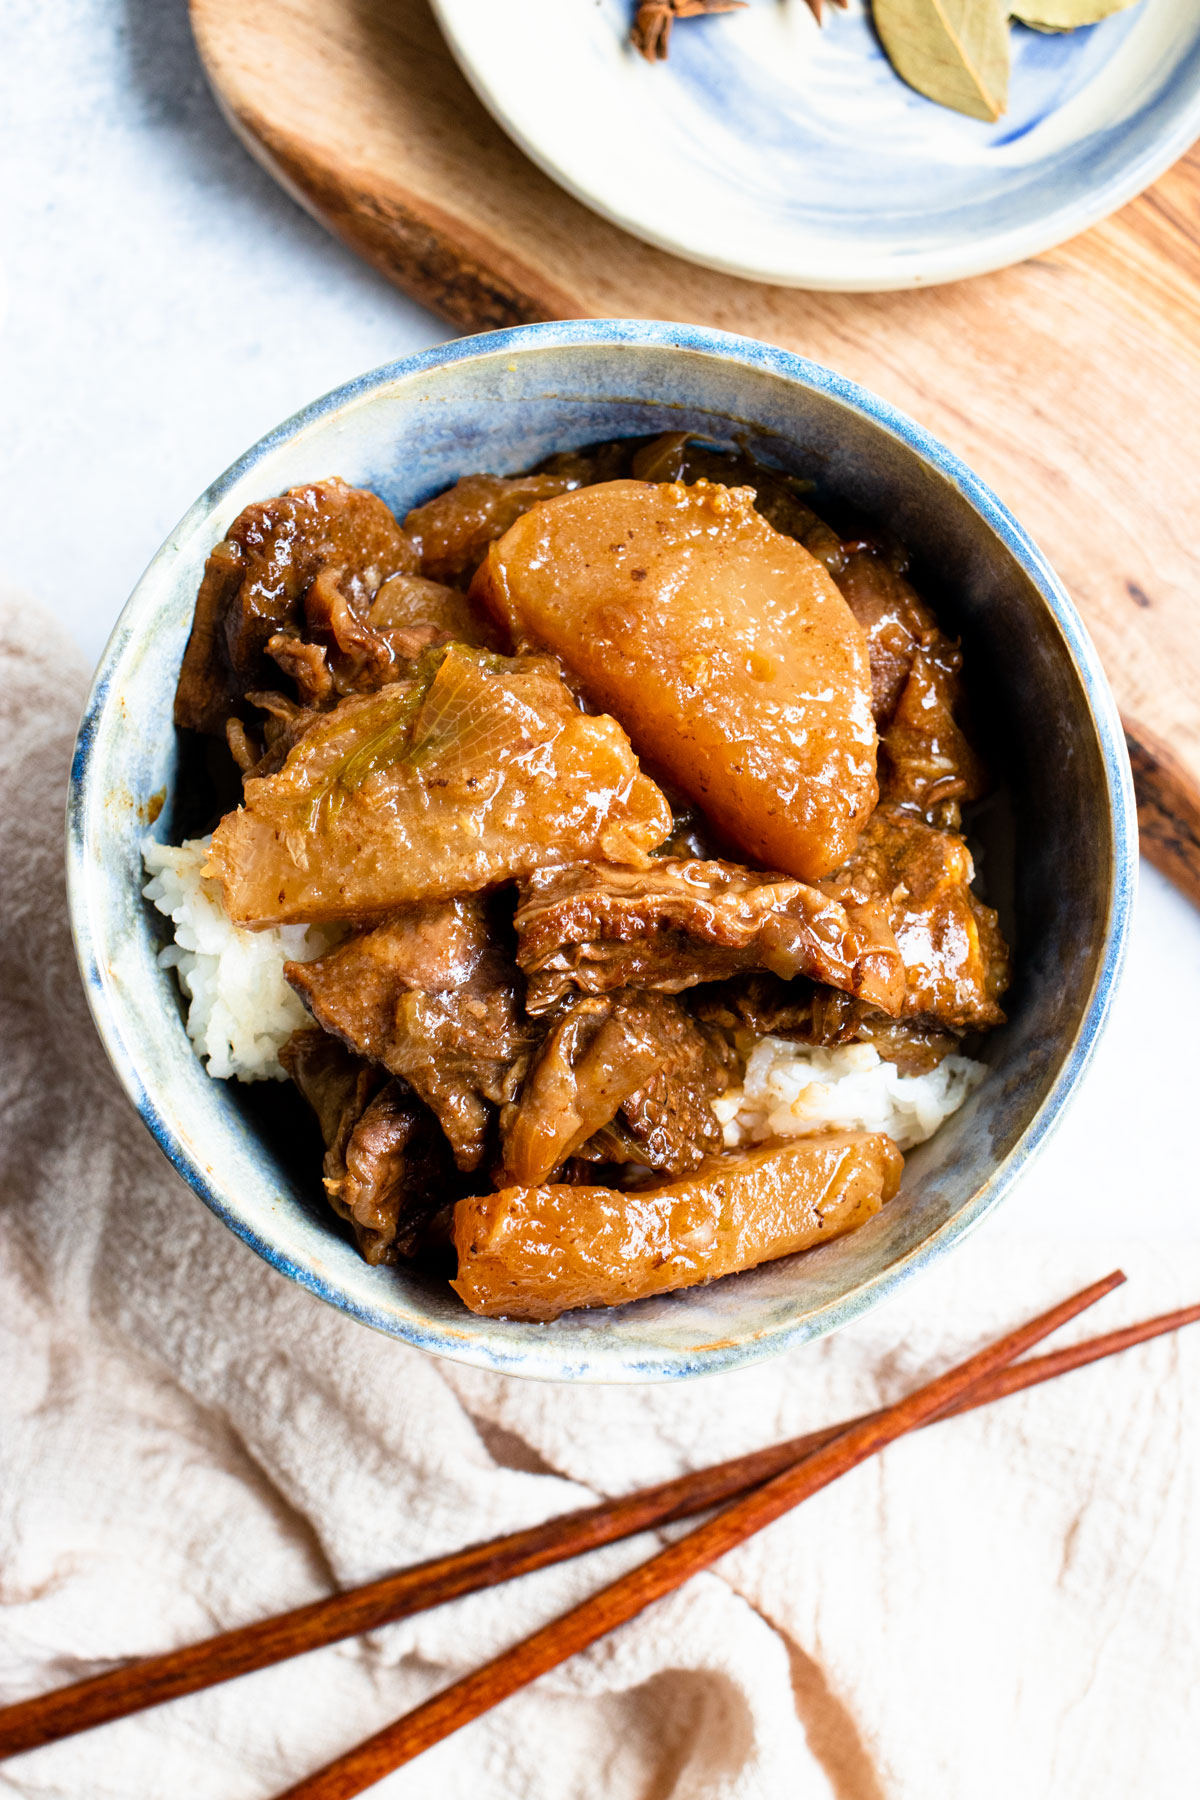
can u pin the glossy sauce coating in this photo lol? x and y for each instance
(411, 794)
(397, 768)
(955, 960)
(722, 646)
(256, 580)
(535, 1252)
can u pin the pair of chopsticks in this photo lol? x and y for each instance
(753, 1490)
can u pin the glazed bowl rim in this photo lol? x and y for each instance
(478, 1345)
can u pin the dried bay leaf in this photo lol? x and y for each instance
(952, 51)
(1067, 15)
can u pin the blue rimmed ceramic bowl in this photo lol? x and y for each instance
(1061, 839)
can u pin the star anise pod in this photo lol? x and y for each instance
(651, 32)
(816, 8)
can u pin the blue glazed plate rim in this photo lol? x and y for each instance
(479, 1344)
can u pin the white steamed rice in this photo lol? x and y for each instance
(791, 1090)
(241, 1011)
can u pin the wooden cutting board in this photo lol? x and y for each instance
(1071, 382)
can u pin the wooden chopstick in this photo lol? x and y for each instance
(152, 1681)
(632, 1593)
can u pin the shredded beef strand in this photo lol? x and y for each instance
(256, 579)
(434, 996)
(623, 1077)
(955, 960)
(593, 927)
(387, 1170)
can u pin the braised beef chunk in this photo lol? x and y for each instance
(925, 760)
(337, 1084)
(669, 1123)
(624, 1077)
(356, 658)
(915, 1045)
(399, 1175)
(762, 1005)
(338, 650)
(453, 530)
(305, 663)
(955, 960)
(387, 1166)
(279, 726)
(895, 619)
(433, 996)
(754, 1006)
(256, 579)
(594, 927)
(590, 1061)
(611, 460)
(431, 613)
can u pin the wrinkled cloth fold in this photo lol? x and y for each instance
(1009, 1604)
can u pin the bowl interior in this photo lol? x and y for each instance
(1059, 843)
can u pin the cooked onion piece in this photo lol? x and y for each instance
(480, 770)
(722, 646)
(535, 1252)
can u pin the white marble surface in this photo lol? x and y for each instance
(166, 304)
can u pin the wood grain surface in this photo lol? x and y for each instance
(1070, 382)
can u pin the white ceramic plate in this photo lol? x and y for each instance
(773, 149)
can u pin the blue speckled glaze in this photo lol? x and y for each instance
(501, 402)
(772, 148)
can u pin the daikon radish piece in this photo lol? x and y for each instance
(536, 1252)
(721, 645)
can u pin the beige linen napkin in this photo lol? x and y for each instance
(1008, 1605)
